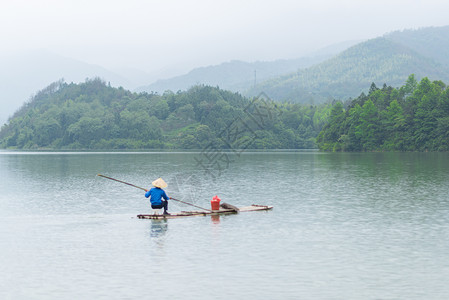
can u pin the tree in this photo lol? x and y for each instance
(393, 123)
(160, 109)
(203, 135)
(331, 132)
(353, 123)
(45, 131)
(426, 114)
(410, 85)
(85, 131)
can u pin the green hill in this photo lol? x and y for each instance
(389, 59)
(432, 42)
(414, 117)
(93, 115)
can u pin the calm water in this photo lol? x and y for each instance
(344, 226)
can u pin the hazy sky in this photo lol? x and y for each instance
(151, 35)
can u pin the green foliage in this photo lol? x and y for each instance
(93, 115)
(414, 117)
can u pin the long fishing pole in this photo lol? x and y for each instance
(190, 204)
(122, 182)
(107, 177)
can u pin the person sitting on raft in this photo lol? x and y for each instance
(156, 194)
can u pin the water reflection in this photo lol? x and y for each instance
(158, 228)
(215, 219)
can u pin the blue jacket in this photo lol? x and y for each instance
(156, 195)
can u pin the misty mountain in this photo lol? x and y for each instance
(239, 76)
(431, 42)
(24, 74)
(389, 59)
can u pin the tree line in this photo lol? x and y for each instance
(94, 115)
(413, 117)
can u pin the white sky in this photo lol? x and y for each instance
(156, 34)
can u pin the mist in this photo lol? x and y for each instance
(131, 43)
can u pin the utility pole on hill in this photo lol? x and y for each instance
(255, 77)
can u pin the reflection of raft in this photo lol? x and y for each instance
(221, 211)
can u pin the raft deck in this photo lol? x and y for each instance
(221, 211)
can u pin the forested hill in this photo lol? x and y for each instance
(93, 115)
(432, 42)
(389, 59)
(414, 117)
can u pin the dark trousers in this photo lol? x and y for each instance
(164, 205)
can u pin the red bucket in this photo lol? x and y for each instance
(215, 203)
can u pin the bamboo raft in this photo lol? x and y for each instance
(224, 208)
(221, 211)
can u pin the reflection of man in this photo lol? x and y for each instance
(156, 194)
(158, 228)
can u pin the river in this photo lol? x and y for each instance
(344, 226)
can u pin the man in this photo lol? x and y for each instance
(156, 194)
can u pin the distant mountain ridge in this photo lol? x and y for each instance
(234, 75)
(239, 76)
(430, 42)
(389, 59)
(340, 71)
(23, 74)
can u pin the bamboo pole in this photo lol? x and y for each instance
(107, 177)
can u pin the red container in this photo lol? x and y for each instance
(215, 203)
